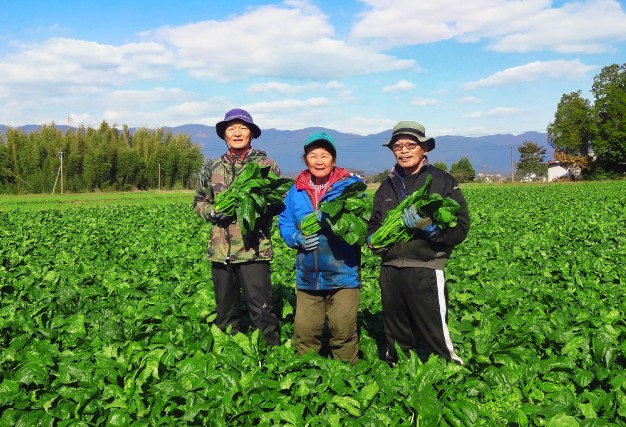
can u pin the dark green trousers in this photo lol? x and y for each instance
(340, 308)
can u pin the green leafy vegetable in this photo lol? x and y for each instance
(442, 211)
(310, 224)
(255, 192)
(347, 215)
(91, 296)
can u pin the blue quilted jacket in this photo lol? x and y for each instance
(334, 264)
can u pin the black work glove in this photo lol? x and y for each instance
(219, 218)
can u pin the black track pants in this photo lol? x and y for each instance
(415, 308)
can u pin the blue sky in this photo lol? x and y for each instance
(466, 68)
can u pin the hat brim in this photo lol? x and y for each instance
(323, 143)
(220, 128)
(430, 142)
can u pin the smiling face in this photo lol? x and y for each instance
(320, 163)
(409, 153)
(238, 136)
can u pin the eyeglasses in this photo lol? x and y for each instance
(399, 146)
(240, 128)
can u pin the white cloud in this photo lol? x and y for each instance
(143, 97)
(79, 119)
(364, 125)
(272, 41)
(289, 89)
(423, 102)
(287, 104)
(400, 86)
(288, 113)
(510, 26)
(70, 62)
(170, 108)
(335, 85)
(495, 112)
(301, 68)
(282, 88)
(577, 27)
(557, 69)
(470, 100)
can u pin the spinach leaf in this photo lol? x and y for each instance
(256, 192)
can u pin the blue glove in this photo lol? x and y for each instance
(308, 243)
(412, 220)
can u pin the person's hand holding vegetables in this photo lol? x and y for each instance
(375, 250)
(413, 220)
(219, 218)
(308, 243)
(321, 218)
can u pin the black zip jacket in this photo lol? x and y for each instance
(419, 251)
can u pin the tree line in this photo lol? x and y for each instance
(462, 171)
(96, 160)
(590, 139)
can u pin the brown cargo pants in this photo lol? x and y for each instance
(340, 307)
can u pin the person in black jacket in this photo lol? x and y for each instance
(412, 283)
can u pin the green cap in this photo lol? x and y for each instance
(323, 139)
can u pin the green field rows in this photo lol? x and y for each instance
(106, 319)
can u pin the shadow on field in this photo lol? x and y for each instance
(283, 295)
(373, 324)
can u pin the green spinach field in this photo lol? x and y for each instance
(106, 319)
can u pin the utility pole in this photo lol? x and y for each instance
(159, 176)
(61, 157)
(512, 163)
(59, 173)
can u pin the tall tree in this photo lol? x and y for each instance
(127, 167)
(380, 177)
(17, 147)
(532, 159)
(609, 144)
(463, 171)
(441, 165)
(572, 130)
(5, 171)
(97, 159)
(73, 163)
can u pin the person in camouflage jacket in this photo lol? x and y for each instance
(238, 262)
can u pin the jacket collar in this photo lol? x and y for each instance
(302, 180)
(398, 171)
(228, 157)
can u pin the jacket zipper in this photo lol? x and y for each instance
(317, 275)
(315, 202)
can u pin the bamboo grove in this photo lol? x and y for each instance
(87, 159)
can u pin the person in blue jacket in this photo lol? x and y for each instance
(328, 270)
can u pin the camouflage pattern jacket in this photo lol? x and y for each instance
(227, 244)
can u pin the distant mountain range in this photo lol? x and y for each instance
(488, 154)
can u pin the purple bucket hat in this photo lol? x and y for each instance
(237, 114)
